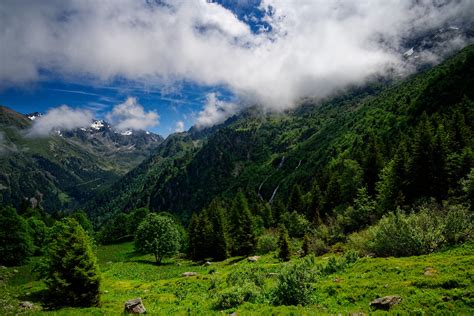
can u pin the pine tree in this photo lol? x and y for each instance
(296, 202)
(219, 242)
(315, 204)
(16, 245)
(306, 245)
(241, 228)
(284, 244)
(70, 270)
(193, 236)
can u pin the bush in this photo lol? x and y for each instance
(267, 243)
(236, 295)
(254, 275)
(296, 224)
(294, 283)
(424, 231)
(70, 267)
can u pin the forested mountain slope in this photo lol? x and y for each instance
(63, 170)
(409, 141)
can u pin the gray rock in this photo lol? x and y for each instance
(134, 306)
(207, 263)
(253, 259)
(26, 305)
(385, 302)
(189, 274)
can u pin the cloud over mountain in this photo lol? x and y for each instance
(311, 48)
(131, 115)
(63, 118)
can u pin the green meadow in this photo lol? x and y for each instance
(448, 287)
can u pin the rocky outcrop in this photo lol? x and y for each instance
(134, 306)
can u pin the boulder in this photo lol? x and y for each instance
(26, 305)
(207, 263)
(253, 259)
(189, 274)
(134, 306)
(428, 271)
(386, 302)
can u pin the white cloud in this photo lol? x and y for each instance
(314, 48)
(63, 118)
(179, 127)
(215, 111)
(131, 115)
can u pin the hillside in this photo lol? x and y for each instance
(64, 170)
(338, 144)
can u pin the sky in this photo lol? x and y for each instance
(164, 66)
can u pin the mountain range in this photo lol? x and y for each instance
(64, 169)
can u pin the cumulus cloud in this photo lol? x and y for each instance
(215, 111)
(131, 115)
(60, 118)
(179, 127)
(311, 48)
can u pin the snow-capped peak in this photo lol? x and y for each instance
(127, 132)
(97, 125)
(34, 116)
(409, 52)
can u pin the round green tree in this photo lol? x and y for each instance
(70, 267)
(158, 235)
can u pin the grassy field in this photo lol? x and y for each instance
(125, 275)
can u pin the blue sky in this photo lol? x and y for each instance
(183, 104)
(198, 62)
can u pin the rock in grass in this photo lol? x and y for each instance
(253, 259)
(385, 302)
(26, 305)
(428, 271)
(207, 263)
(189, 274)
(134, 306)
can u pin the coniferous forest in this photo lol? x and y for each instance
(355, 203)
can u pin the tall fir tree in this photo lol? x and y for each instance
(70, 267)
(284, 252)
(296, 201)
(16, 245)
(241, 227)
(219, 241)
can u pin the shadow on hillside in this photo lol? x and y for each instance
(34, 297)
(236, 260)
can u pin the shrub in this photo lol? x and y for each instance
(236, 295)
(421, 232)
(267, 243)
(70, 267)
(294, 283)
(296, 224)
(240, 276)
(458, 225)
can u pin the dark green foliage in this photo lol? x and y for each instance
(296, 223)
(306, 247)
(219, 240)
(83, 220)
(241, 227)
(135, 218)
(70, 267)
(313, 213)
(16, 245)
(468, 188)
(267, 242)
(294, 283)
(159, 235)
(296, 202)
(38, 232)
(361, 214)
(284, 252)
